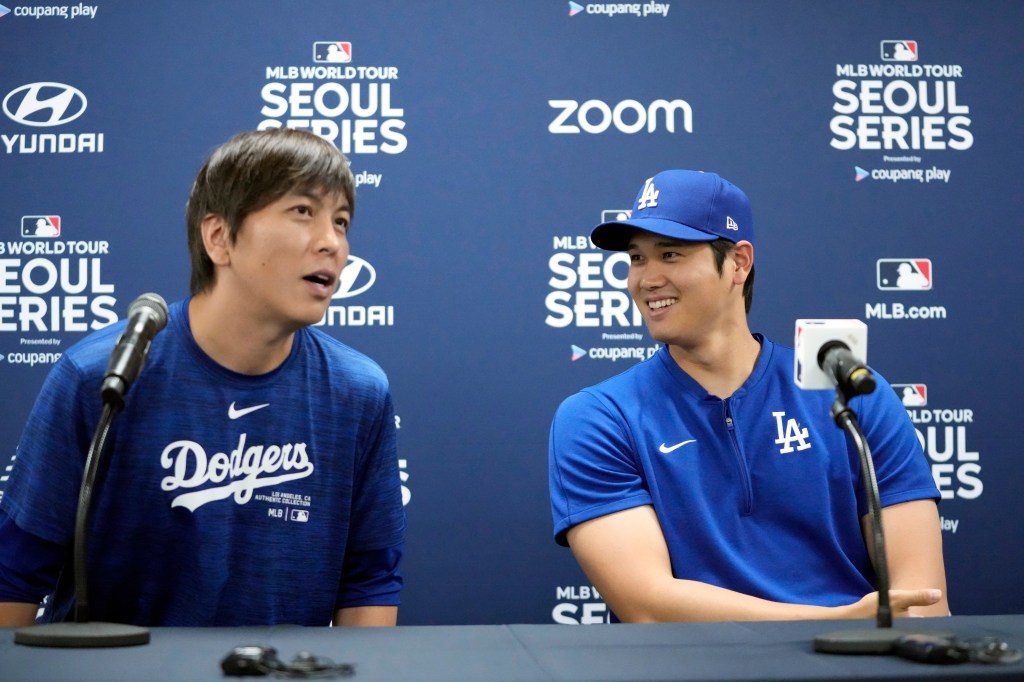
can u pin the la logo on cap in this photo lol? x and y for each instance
(649, 198)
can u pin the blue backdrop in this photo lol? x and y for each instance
(880, 143)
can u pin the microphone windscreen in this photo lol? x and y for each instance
(155, 304)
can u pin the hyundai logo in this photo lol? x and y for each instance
(44, 104)
(357, 277)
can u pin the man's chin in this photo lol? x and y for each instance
(660, 337)
(315, 320)
(311, 317)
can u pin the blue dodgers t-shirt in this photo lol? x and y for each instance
(223, 499)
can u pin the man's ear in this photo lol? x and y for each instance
(216, 239)
(742, 256)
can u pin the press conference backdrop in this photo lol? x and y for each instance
(879, 142)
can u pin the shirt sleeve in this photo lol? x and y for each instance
(371, 578)
(370, 574)
(42, 493)
(901, 465)
(592, 464)
(378, 516)
(29, 565)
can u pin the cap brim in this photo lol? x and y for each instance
(615, 236)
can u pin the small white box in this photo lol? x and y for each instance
(811, 335)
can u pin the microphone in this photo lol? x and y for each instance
(832, 354)
(847, 372)
(146, 316)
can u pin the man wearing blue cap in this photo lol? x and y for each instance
(702, 484)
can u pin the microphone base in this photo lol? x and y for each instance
(865, 640)
(81, 635)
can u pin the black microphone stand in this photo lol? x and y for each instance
(882, 638)
(80, 632)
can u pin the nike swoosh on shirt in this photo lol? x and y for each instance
(235, 413)
(667, 449)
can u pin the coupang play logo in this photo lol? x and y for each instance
(613, 9)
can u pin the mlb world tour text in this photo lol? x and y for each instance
(943, 436)
(64, 294)
(589, 287)
(900, 113)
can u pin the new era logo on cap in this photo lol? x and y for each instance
(686, 205)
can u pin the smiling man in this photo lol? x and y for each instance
(252, 477)
(701, 484)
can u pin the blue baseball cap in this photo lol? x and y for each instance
(683, 204)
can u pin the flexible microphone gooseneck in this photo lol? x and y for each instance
(851, 377)
(147, 315)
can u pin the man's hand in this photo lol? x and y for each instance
(367, 616)
(13, 614)
(900, 601)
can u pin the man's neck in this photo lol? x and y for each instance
(234, 339)
(722, 364)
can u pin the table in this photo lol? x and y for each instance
(526, 653)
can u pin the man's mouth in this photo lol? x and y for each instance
(663, 303)
(321, 278)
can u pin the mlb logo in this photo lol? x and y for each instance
(899, 50)
(611, 215)
(904, 274)
(912, 395)
(40, 226)
(332, 53)
(300, 515)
